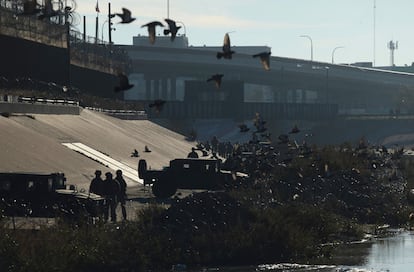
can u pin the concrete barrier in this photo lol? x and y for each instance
(39, 108)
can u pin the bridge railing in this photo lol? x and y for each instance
(38, 100)
(96, 54)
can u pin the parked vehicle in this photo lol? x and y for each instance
(186, 173)
(45, 195)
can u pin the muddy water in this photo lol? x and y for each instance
(394, 253)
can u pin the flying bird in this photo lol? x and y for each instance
(126, 16)
(151, 30)
(227, 52)
(158, 104)
(265, 59)
(172, 28)
(217, 79)
(124, 84)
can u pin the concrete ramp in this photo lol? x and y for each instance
(128, 172)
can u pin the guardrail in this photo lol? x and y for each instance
(32, 100)
(123, 114)
(38, 105)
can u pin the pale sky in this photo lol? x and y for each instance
(348, 24)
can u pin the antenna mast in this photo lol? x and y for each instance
(375, 7)
(392, 46)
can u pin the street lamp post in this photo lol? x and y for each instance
(333, 52)
(310, 39)
(327, 84)
(110, 28)
(102, 30)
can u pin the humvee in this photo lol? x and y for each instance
(44, 195)
(190, 173)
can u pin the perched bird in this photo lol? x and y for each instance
(125, 16)
(283, 138)
(243, 128)
(294, 130)
(123, 83)
(227, 52)
(172, 28)
(266, 136)
(259, 123)
(265, 59)
(217, 79)
(151, 30)
(157, 104)
(135, 153)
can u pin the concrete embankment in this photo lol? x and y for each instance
(34, 143)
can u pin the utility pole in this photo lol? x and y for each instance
(375, 7)
(109, 23)
(84, 28)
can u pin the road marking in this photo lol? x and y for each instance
(104, 159)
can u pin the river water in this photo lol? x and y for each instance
(393, 253)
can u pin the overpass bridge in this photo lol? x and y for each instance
(179, 75)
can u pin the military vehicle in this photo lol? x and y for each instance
(189, 173)
(45, 195)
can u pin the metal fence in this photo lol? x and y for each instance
(96, 54)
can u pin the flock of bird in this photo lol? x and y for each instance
(32, 8)
(226, 53)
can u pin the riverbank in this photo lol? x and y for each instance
(295, 199)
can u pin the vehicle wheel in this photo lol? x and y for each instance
(164, 189)
(142, 169)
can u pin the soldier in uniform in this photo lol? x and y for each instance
(111, 192)
(96, 186)
(122, 192)
(192, 154)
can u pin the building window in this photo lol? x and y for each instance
(258, 93)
